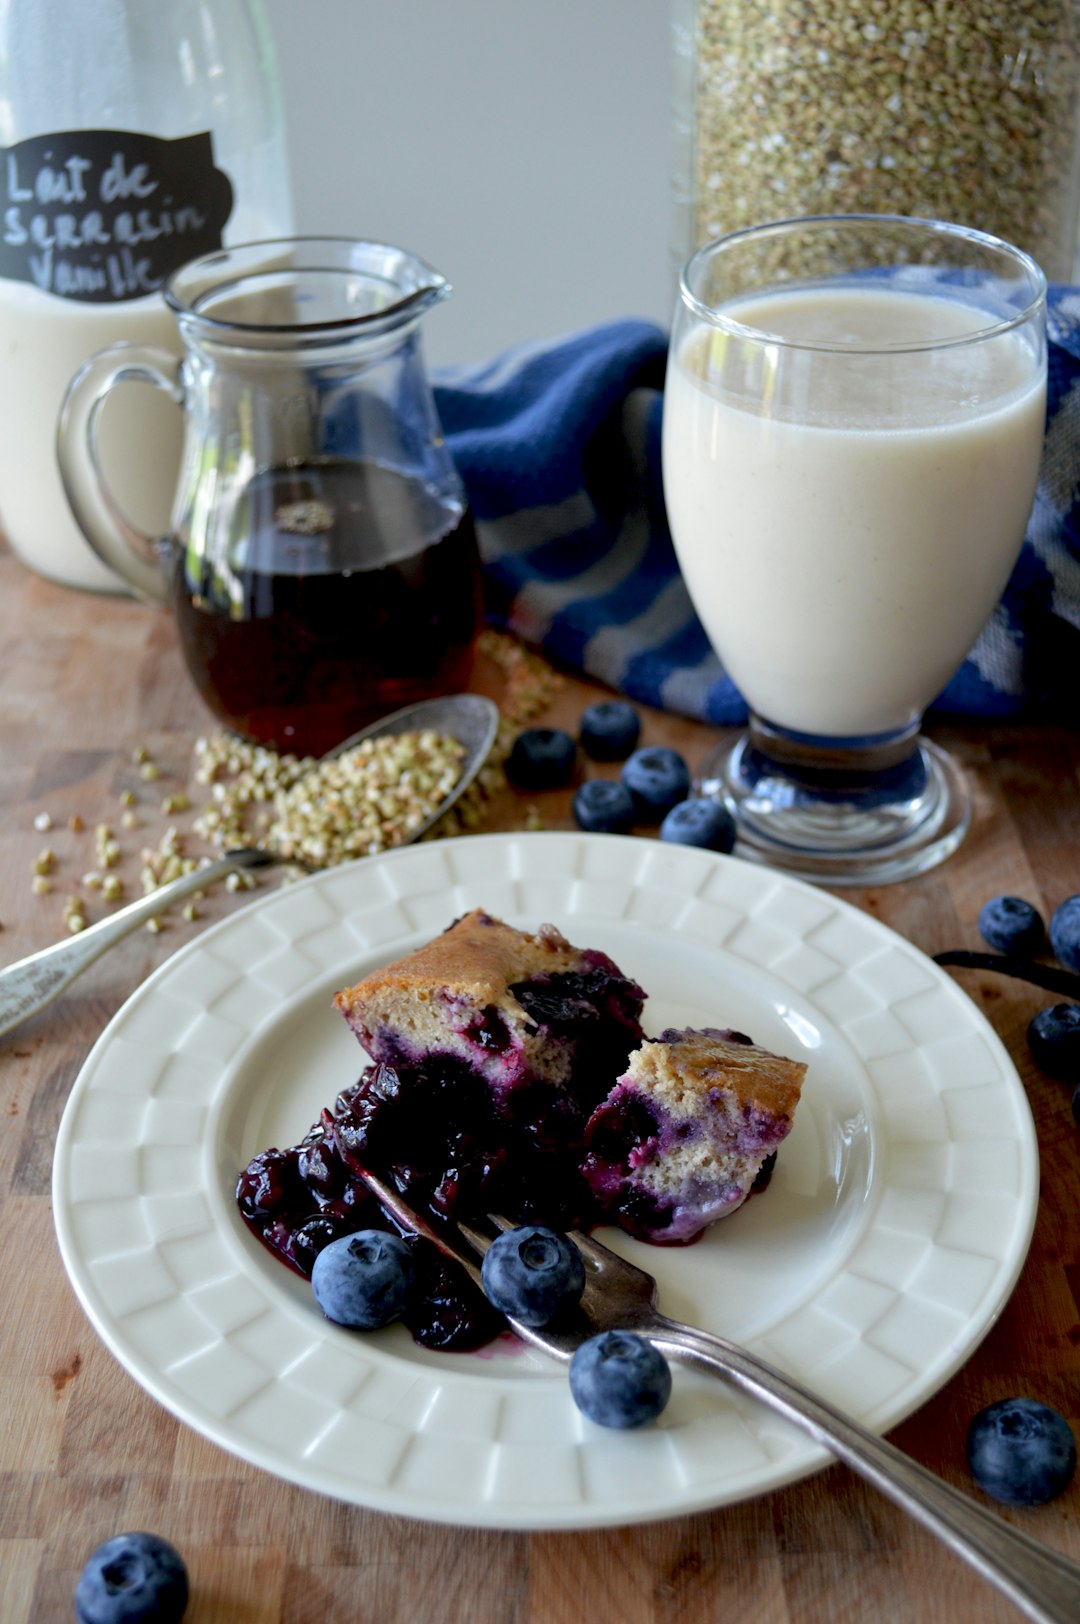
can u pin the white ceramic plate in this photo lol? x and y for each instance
(892, 1233)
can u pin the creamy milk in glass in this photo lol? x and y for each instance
(845, 524)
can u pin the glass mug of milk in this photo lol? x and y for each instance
(853, 423)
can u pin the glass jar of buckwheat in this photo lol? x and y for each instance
(961, 110)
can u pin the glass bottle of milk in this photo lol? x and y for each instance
(134, 136)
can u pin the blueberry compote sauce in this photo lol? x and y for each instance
(299, 1200)
(433, 1132)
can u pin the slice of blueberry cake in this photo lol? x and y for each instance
(687, 1130)
(519, 1009)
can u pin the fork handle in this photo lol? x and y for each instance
(1042, 1583)
(32, 983)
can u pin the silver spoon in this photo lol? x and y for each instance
(31, 983)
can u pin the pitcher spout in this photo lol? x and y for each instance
(304, 288)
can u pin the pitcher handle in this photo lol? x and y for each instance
(134, 555)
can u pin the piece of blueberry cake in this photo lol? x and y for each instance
(491, 1047)
(687, 1131)
(521, 1010)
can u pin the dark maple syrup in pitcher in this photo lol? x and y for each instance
(338, 591)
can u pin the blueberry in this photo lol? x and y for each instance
(1012, 925)
(132, 1577)
(269, 1184)
(1054, 1040)
(700, 822)
(604, 807)
(363, 1280)
(531, 1273)
(1021, 1452)
(658, 779)
(618, 1379)
(609, 730)
(541, 758)
(1065, 932)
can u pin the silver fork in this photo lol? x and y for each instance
(618, 1295)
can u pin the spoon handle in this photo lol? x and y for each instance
(31, 983)
(1043, 1584)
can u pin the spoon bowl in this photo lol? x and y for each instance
(32, 983)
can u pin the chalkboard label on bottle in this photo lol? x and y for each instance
(106, 215)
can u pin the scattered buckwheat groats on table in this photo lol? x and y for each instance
(166, 818)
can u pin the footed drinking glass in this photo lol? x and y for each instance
(853, 422)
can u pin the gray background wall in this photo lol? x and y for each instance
(522, 146)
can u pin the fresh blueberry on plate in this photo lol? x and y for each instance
(1065, 933)
(1012, 925)
(532, 1273)
(541, 758)
(658, 779)
(618, 1379)
(1021, 1452)
(609, 730)
(133, 1579)
(363, 1280)
(1054, 1040)
(700, 822)
(603, 807)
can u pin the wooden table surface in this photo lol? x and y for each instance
(85, 1453)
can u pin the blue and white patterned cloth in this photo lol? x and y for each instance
(558, 444)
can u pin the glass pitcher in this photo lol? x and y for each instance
(322, 563)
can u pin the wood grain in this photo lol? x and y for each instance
(84, 1452)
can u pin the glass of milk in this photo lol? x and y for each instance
(853, 423)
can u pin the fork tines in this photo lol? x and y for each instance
(465, 1242)
(445, 1238)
